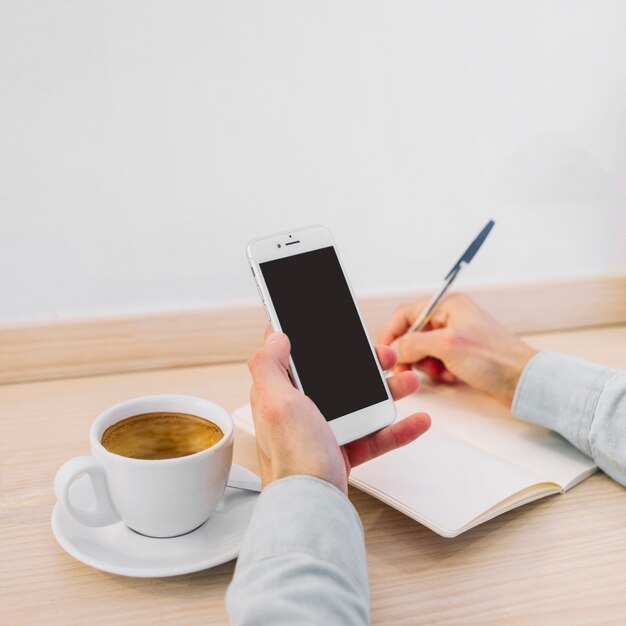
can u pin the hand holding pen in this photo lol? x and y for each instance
(460, 341)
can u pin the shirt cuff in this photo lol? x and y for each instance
(561, 392)
(308, 515)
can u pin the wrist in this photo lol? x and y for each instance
(514, 371)
(338, 479)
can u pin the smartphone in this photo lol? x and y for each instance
(307, 296)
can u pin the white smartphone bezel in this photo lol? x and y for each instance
(289, 243)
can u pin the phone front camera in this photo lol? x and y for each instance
(278, 245)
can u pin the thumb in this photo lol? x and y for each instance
(413, 347)
(269, 365)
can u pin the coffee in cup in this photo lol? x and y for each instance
(161, 435)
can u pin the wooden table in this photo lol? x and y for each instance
(559, 560)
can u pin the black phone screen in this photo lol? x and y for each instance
(329, 346)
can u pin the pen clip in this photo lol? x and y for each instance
(472, 249)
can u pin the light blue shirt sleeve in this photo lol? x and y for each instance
(584, 402)
(302, 560)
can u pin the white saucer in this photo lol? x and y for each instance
(119, 550)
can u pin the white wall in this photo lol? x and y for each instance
(143, 143)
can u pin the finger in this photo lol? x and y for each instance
(403, 384)
(267, 332)
(413, 347)
(402, 367)
(395, 436)
(448, 377)
(386, 356)
(436, 370)
(268, 365)
(433, 367)
(397, 325)
(439, 319)
(401, 320)
(253, 397)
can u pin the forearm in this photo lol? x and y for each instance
(584, 402)
(302, 560)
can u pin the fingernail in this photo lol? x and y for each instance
(273, 338)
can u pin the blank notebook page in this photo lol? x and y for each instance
(474, 457)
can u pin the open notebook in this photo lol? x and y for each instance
(474, 463)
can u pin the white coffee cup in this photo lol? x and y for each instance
(158, 498)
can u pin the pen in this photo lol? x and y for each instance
(465, 259)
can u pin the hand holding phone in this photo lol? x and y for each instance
(307, 295)
(292, 436)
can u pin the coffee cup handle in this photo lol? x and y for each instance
(104, 512)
